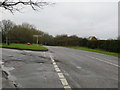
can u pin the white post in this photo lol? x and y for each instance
(37, 38)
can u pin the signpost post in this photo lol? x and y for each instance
(37, 38)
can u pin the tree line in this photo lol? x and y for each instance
(107, 45)
(12, 33)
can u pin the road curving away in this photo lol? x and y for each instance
(78, 68)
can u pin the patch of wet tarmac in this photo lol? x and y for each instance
(31, 70)
(8, 79)
(14, 63)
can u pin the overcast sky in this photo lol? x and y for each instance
(83, 19)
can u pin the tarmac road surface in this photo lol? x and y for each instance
(84, 69)
(59, 68)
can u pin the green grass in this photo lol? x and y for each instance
(24, 46)
(0, 44)
(96, 50)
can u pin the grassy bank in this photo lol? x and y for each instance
(24, 46)
(97, 51)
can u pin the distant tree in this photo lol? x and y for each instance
(24, 33)
(28, 26)
(118, 38)
(0, 37)
(73, 40)
(110, 39)
(6, 26)
(16, 5)
(61, 39)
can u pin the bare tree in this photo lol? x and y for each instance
(12, 6)
(5, 27)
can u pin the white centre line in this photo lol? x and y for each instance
(104, 61)
(60, 75)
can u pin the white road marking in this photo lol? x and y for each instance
(56, 66)
(57, 69)
(104, 61)
(107, 59)
(78, 67)
(52, 59)
(54, 63)
(64, 82)
(1, 62)
(60, 75)
(67, 88)
(44, 54)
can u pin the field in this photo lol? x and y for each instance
(24, 46)
(96, 50)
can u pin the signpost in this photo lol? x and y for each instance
(37, 38)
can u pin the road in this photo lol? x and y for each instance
(28, 69)
(84, 69)
(61, 68)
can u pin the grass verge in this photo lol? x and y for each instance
(25, 47)
(97, 51)
(0, 44)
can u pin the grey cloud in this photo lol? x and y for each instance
(83, 19)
